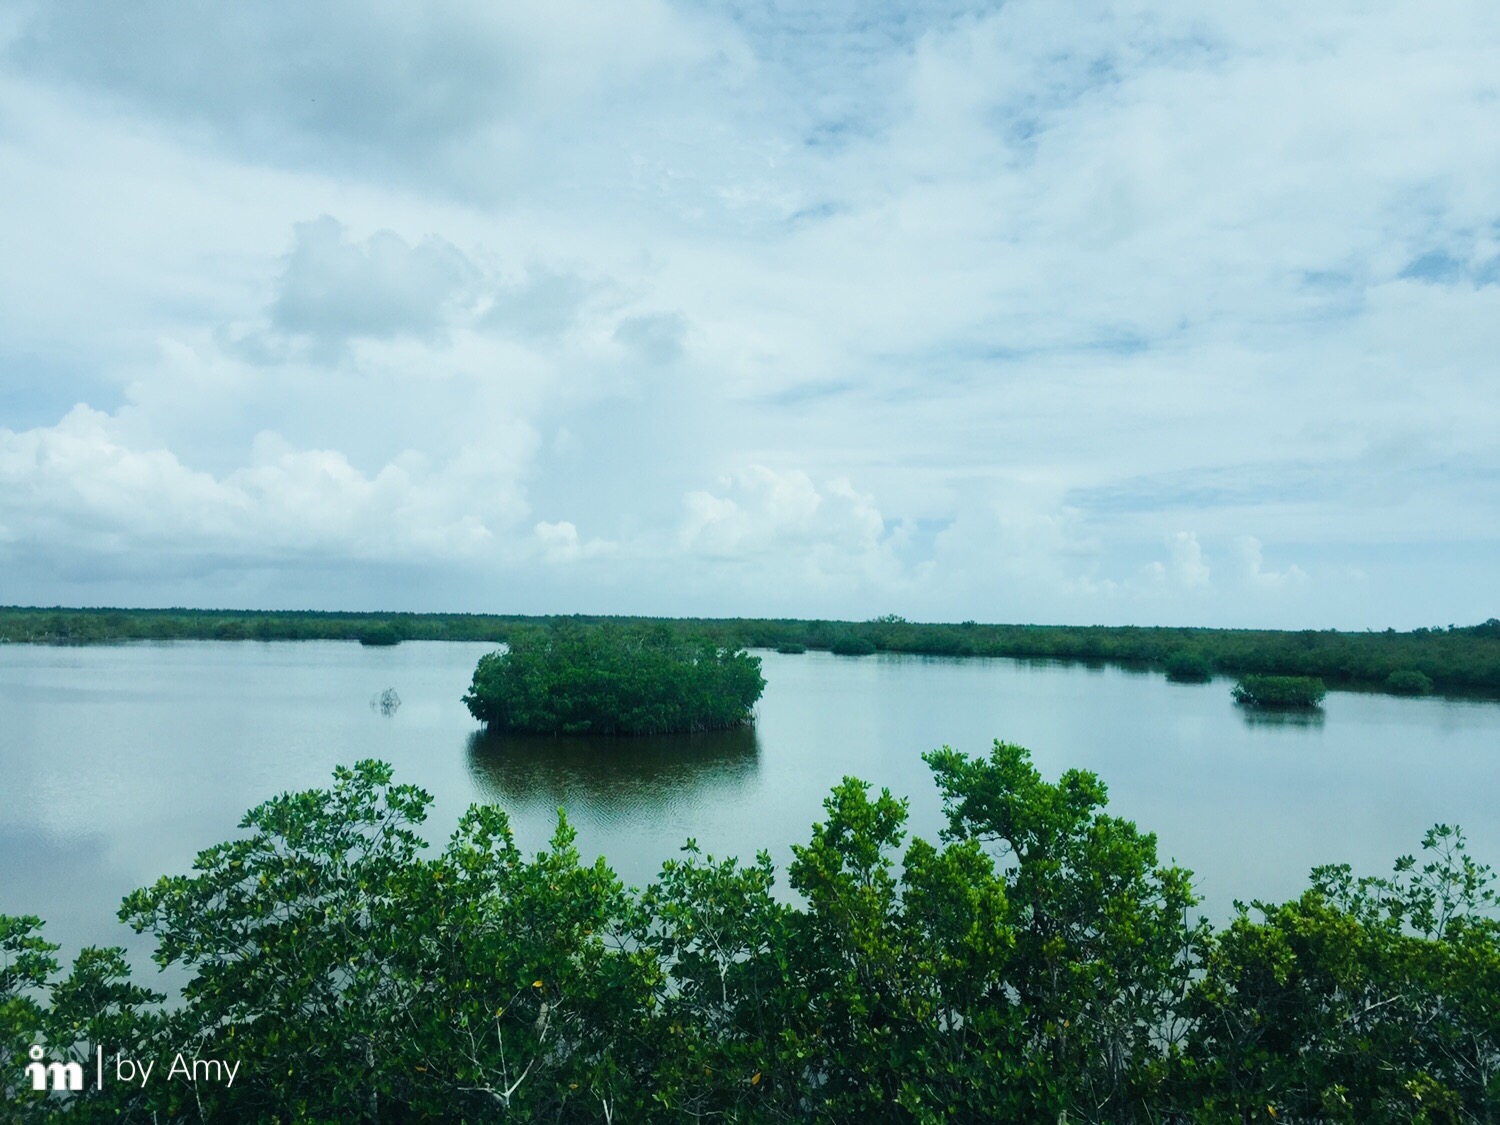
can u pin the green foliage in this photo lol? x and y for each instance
(379, 634)
(1186, 666)
(907, 1014)
(849, 644)
(26, 965)
(1036, 964)
(89, 626)
(1463, 659)
(610, 680)
(1408, 681)
(791, 648)
(357, 980)
(95, 1006)
(1102, 949)
(1366, 1000)
(1280, 692)
(728, 1003)
(286, 931)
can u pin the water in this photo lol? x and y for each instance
(117, 764)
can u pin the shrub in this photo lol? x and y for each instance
(606, 679)
(1280, 692)
(791, 648)
(1408, 681)
(381, 634)
(1184, 667)
(850, 645)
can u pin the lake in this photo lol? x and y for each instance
(120, 762)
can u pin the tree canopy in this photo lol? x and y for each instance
(612, 680)
(1280, 692)
(1036, 963)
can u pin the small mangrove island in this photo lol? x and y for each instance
(1280, 693)
(611, 679)
(379, 635)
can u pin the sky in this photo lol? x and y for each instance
(1121, 313)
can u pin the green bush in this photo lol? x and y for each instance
(791, 648)
(379, 635)
(850, 645)
(1408, 681)
(1185, 667)
(1280, 692)
(605, 679)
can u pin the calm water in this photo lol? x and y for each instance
(117, 764)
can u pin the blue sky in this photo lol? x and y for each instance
(1104, 312)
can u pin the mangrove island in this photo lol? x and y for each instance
(610, 679)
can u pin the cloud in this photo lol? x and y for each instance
(1186, 569)
(560, 543)
(75, 493)
(443, 94)
(1189, 569)
(332, 289)
(765, 509)
(543, 306)
(1016, 539)
(1439, 267)
(656, 338)
(1253, 572)
(825, 540)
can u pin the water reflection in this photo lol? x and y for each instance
(1259, 717)
(611, 775)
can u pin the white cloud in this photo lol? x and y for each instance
(560, 543)
(543, 306)
(1185, 570)
(1189, 568)
(1254, 572)
(332, 288)
(656, 338)
(74, 490)
(763, 510)
(449, 94)
(1017, 535)
(827, 542)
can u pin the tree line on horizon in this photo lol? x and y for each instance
(1460, 659)
(1036, 963)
